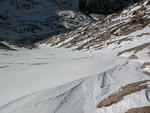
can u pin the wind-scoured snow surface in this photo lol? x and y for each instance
(26, 71)
(47, 67)
(115, 52)
(96, 76)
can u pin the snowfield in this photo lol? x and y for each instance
(48, 67)
(100, 74)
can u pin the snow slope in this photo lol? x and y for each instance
(47, 67)
(27, 71)
(58, 80)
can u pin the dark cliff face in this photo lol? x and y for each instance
(32, 20)
(104, 6)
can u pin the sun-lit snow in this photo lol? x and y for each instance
(27, 71)
(48, 67)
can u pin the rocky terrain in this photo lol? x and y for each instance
(104, 6)
(113, 29)
(31, 20)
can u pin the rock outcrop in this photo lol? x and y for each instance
(104, 6)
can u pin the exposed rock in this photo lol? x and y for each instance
(5, 47)
(145, 109)
(133, 57)
(136, 49)
(30, 20)
(146, 73)
(114, 29)
(128, 89)
(145, 64)
(104, 6)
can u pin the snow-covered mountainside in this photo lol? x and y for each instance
(130, 24)
(35, 19)
(32, 20)
(100, 67)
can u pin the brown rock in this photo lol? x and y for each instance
(128, 89)
(145, 109)
(133, 57)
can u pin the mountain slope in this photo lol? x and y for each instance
(130, 24)
(35, 19)
(110, 74)
(83, 95)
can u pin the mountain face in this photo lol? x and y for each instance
(76, 62)
(35, 19)
(113, 29)
(104, 6)
(32, 20)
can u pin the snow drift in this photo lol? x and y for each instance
(83, 95)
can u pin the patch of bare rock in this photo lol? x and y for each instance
(5, 47)
(145, 109)
(133, 57)
(146, 73)
(135, 49)
(126, 90)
